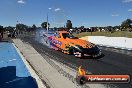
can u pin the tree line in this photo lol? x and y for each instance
(125, 25)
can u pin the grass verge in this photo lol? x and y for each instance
(108, 34)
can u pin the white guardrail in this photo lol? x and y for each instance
(117, 42)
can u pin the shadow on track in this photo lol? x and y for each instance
(8, 79)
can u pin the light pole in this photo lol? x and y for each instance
(48, 20)
(47, 24)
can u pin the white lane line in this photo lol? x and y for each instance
(12, 60)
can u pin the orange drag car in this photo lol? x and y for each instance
(69, 44)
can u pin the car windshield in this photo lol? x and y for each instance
(67, 35)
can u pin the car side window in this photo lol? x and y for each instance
(57, 35)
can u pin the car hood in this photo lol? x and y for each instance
(83, 43)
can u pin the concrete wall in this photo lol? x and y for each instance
(117, 42)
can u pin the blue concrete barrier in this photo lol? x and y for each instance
(13, 71)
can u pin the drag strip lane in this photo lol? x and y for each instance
(118, 60)
(112, 63)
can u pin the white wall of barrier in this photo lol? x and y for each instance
(117, 42)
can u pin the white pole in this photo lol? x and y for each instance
(47, 24)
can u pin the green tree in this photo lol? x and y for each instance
(9, 28)
(44, 25)
(82, 27)
(34, 27)
(21, 27)
(1, 28)
(116, 27)
(69, 24)
(126, 24)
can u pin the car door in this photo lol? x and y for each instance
(57, 40)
